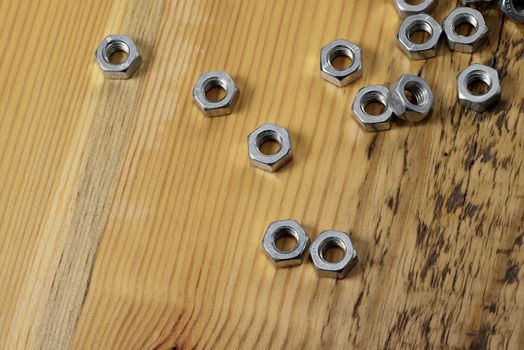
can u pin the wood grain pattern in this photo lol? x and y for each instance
(130, 221)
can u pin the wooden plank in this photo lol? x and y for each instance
(129, 220)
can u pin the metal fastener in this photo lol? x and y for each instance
(279, 229)
(331, 239)
(269, 162)
(509, 7)
(419, 106)
(474, 74)
(215, 79)
(115, 43)
(463, 43)
(405, 9)
(339, 48)
(367, 95)
(413, 24)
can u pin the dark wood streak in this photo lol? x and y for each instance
(512, 274)
(480, 340)
(456, 199)
(372, 145)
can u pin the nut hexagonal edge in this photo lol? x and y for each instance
(294, 257)
(346, 76)
(509, 9)
(461, 43)
(372, 123)
(111, 44)
(405, 109)
(479, 103)
(269, 162)
(221, 79)
(405, 9)
(339, 269)
(425, 50)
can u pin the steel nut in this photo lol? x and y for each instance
(336, 49)
(279, 229)
(366, 96)
(478, 73)
(116, 43)
(216, 79)
(421, 102)
(510, 8)
(269, 162)
(461, 43)
(405, 9)
(416, 23)
(333, 239)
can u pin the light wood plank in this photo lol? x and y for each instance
(129, 220)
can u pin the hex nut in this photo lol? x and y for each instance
(339, 48)
(415, 23)
(367, 95)
(115, 43)
(422, 97)
(325, 241)
(269, 162)
(210, 80)
(476, 73)
(509, 8)
(279, 229)
(406, 9)
(461, 43)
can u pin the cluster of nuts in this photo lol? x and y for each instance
(317, 250)
(409, 98)
(395, 102)
(415, 18)
(509, 7)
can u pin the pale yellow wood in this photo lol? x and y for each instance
(128, 220)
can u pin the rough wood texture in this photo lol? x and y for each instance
(130, 221)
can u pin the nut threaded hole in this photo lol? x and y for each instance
(419, 32)
(374, 103)
(269, 142)
(286, 239)
(416, 93)
(478, 83)
(332, 250)
(215, 89)
(518, 5)
(465, 24)
(116, 52)
(341, 58)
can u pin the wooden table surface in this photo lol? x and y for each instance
(128, 220)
